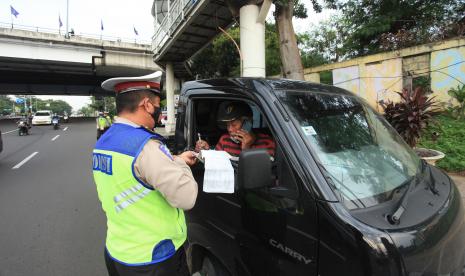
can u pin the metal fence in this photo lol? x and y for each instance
(178, 10)
(63, 33)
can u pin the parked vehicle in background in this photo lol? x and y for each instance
(42, 117)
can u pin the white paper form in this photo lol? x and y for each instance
(219, 173)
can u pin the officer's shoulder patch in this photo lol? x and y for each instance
(166, 151)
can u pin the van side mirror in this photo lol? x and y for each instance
(254, 169)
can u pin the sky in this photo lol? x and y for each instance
(119, 18)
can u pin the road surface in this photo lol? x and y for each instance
(51, 219)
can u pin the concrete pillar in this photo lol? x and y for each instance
(252, 32)
(171, 124)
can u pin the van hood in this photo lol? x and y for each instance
(436, 246)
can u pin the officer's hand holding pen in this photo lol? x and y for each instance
(188, 157)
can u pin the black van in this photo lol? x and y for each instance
(343, 195)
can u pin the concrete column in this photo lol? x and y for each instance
(171, 124)
(252, 41)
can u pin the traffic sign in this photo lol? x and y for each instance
(19, 100)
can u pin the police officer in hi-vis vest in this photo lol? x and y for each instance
(143, 188)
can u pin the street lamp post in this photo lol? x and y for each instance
(67, 16)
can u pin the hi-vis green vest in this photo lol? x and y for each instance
(102, 123)
(142, 227)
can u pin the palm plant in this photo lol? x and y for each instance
(411, 115)
(459, 95)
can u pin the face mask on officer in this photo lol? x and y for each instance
(155, 110)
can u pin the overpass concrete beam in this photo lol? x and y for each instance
(140, 61)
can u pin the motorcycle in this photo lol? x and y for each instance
(55, 123)
(23, 128)
(66, 118)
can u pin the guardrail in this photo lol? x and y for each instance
(177, 13)
(63, 33)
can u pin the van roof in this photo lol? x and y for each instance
(276, 84)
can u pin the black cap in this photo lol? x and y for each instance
(229, 111)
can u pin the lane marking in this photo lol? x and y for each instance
(65, 128)
(9, 131)
(54, 138)
(24, 161)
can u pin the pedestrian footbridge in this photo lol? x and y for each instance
(184, 27)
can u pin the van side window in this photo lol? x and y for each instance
(210, 127)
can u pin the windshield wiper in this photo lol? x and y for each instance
(394, 218)
(430, 180)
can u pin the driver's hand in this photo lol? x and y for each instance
(201, 145)
(246, 138)
(188, 157)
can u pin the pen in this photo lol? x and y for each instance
(200, 137)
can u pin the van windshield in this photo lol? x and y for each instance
(42, 114)
(363, 155)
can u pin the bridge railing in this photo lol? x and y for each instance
(63, 32)
(177, 13)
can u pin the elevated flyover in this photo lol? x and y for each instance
(50, 64)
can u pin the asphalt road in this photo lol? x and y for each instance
(51, 219)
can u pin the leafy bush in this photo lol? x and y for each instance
(446, 135)
(459, 95)
(411, 115)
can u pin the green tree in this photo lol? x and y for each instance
(103, 104)
(324, 42)
(56, 106)
(374, 26)
(221, 58)
(6, 105)
(60, 107)
(290, 54)
(459, 95)
(86, 111)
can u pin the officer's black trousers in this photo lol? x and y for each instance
(174, 266)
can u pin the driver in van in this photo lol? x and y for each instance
(238, 119)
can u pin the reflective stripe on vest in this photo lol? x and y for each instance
(142, 227)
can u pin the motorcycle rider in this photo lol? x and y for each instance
(23, 125)
(56, 118)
